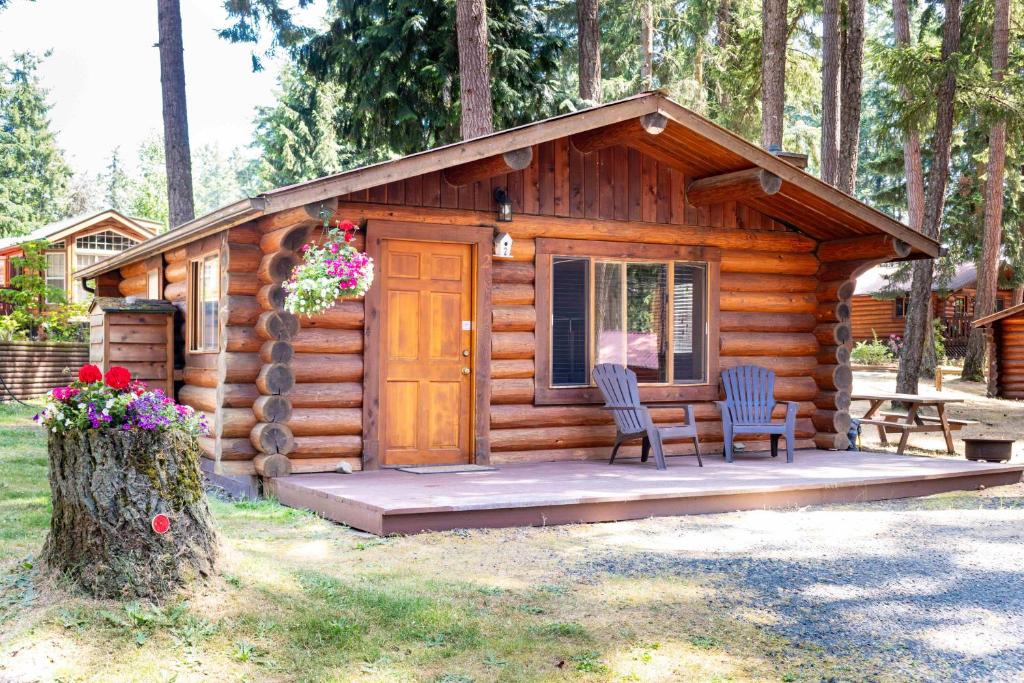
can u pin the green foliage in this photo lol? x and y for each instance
(33, 189)
(64, 323)
(874, 352)
(29, 292)
(11, 329)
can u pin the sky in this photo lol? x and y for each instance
(104, 74)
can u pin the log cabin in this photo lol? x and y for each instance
(75, 243)
(641, 233)
(1004, 335)
(878, 306)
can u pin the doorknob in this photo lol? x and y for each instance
(465, 352)
(465, 371)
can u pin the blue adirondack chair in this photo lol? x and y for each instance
(747, 408)
(633, 421)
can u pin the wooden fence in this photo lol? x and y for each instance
(30, 369)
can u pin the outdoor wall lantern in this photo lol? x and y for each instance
(504, 205)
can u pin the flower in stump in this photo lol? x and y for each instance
(118, 377)
(89, 373)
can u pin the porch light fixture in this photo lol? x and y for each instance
(504, 205)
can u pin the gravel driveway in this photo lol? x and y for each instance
(921, 589)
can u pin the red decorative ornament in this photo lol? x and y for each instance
(161, 524)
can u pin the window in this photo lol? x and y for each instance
(3, 271)
(899, 307)
(959, 305)
(647, 307)
(56, 265)
(107, 240)
(204, 303)
(1000, 304)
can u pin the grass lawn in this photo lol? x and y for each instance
(302, 599)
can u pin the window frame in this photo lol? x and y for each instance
(194, 306)
(547, 249)
(899, 308)
(64, 275)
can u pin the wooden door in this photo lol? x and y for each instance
(426, 353)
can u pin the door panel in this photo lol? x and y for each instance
(426, 359)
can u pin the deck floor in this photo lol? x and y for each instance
(389, 501)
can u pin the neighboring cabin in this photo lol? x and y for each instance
(641, 234)
(1004, 334)
(879, 310)
(76, 243)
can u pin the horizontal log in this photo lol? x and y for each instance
(344, 315)
(277, 267)
(767, 282)
(277, 325)
(725, 187)
(836, 290)
(327, 395)
(243, 310)
(276, 352)
(176, 272)
(513, 318)
(767, 344)
(134, 286)
(622, 132)
(244, 234)
(322, 446)
(488, 167)
(244, 258)
(322, 340)
(534, 226)
(201, 377)
(272, 466)
(512, 369)
(241, 367)
(271, 297)
(239, 395)
(511, 391)
(325, 421)
(785, 263)
(134, 269)
(175, 291)
(178, 255)
(314, 211)
(200, 398)
(730, 321)
(832, 421)
(865, 247)
(243, 339)
(327, 367)
(832, 442)
(272, 409)
(782, 366)
(272, 437)
(247, 283)
(833, 400)
(768, 302)
(512, 272)
(235, 423)
(275, 379)
(288, 238)
(834, 377)
(834, 355)
(512, 345)
(829, 334)
(509, 294)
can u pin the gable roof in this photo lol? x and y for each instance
(965, 275)
(58, 230)
(688, 141)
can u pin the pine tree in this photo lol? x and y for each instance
(35, 177)
(176, 145)
(116, 183)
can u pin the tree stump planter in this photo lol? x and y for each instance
(109, 486)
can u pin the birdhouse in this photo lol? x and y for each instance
(503, 245)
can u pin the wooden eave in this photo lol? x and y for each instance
(695, 145)
(999, 315)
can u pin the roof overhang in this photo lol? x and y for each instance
(801, 200)
(999, 315)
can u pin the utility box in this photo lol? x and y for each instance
(137, 334)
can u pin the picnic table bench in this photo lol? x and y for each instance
(913, 421)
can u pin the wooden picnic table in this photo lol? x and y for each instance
(914, 421)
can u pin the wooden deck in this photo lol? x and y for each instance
(389, 501)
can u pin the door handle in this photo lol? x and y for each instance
(465, 371)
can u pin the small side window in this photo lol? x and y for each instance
(204, 303)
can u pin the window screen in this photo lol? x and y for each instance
(569, 306)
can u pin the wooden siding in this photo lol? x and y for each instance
(1007, 357)
(870, 317)
(142, 343)
(31, 369)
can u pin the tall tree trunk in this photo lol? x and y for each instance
(912, 167)
(589, 49)
(849, 115)
(830, 93)
(647, 44)
(474, 68)
(935, 195)
(177, 154)
(724, 24)
(988, 266)
(773, 71)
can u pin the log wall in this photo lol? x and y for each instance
(871, 317)
(30, 369)
(1006, 353)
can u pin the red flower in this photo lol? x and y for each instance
(347, 225)
(349, 235)
(89, 373)
(118, 377)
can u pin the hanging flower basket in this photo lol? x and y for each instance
(328, 272)
(130, 518)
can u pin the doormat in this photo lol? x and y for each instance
(446, 469)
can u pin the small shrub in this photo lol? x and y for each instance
(11, 329)
(874, 352)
